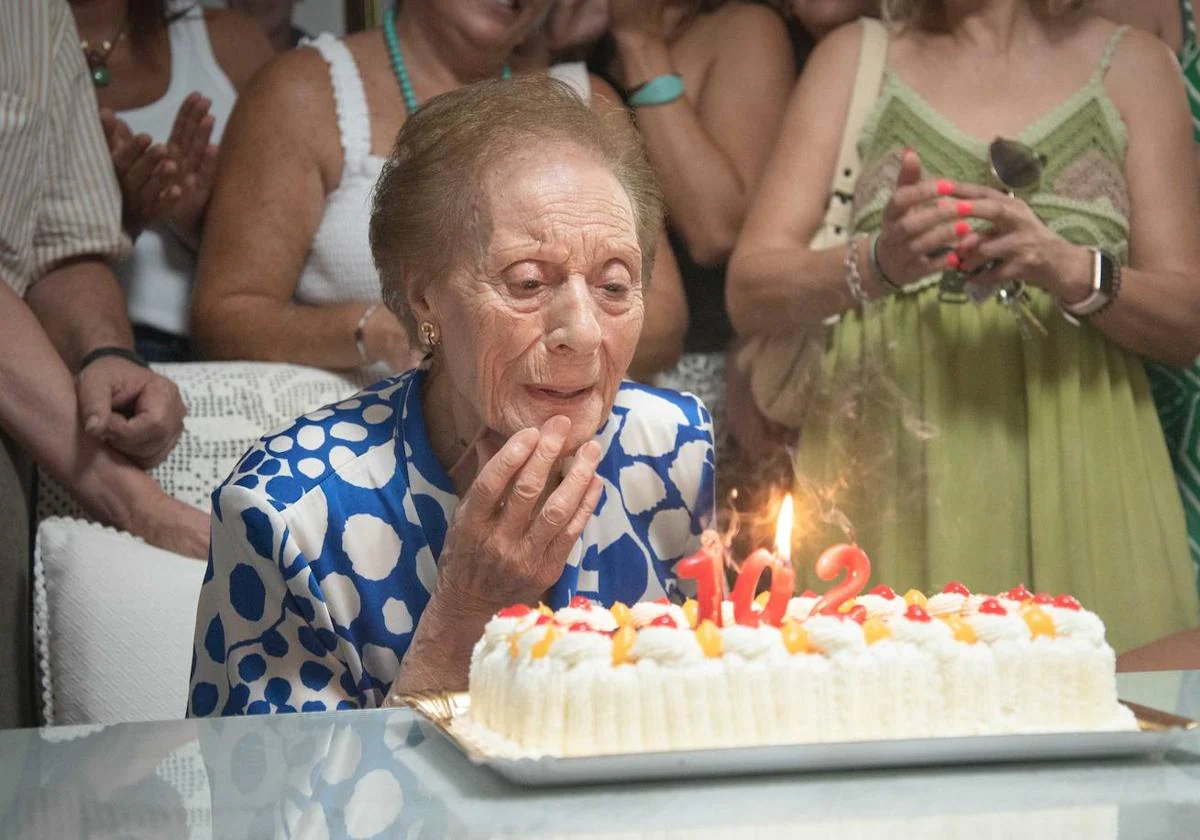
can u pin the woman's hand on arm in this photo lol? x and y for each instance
(709, 147)
(280, 156)
(507, 543)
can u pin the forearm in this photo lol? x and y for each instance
(245, 326)
(706, 196)
(1156, 315)
(38, 408)
(439, 656)
(776, 290)
(81, 307)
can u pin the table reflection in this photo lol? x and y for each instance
(386, 774)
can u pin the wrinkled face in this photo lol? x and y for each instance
(489, 22)
(820, 17)
(548, 324)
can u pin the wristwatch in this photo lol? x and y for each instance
(1106, 285)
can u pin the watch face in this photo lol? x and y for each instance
(1108, 275)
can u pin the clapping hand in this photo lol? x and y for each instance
(196, 160)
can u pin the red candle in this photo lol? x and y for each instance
(783, 577)
(707, 568)
(858, 568)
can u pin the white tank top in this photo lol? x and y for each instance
(339, 265)
(157, 278)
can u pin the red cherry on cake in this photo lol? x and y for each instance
(581, 603)
(956, 588)
(580, 627)
(515, 611)
(884, 591)
(1043, 598)
(992, 606)
(1020, 593)
(857, 613)
(1067, 602)
(543, 619)
(664, 600)
(917, 613)
(664, 621)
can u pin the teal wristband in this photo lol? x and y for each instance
(661, 90)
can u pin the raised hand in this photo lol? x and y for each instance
(513, 531)
(922, 224)
(196, 160)
(145, 173)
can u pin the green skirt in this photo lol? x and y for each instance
(957, 450)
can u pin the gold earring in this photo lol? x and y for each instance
(429, 335)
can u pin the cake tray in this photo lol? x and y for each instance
(1158, 732)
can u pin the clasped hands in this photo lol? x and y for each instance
(927, 229)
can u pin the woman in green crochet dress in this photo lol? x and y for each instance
(987, 442)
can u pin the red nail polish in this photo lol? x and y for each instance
(953, 261)
(961, 229)
(965, 208)
(945, 187)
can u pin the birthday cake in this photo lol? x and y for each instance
(587, 680)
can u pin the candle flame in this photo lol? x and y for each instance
(783, 529)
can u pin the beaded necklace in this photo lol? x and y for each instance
(401, 70)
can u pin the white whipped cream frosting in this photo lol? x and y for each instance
(646, 611)
(576, 647)
(999, 628)
(598, 618)
(800, 607)
(752, 643)
(922, 633)
(1082, 625)
(499, 630)
(879, 606)
(947, 603)
(834, 635)
(666, 646)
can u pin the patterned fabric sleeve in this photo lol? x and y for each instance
(263, 615)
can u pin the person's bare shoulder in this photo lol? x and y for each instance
(1143, 66)
(290, 103)
(740, 26)
(239, 46)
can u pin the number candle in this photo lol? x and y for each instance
(858, 567)
(707, 568)
(783, 577)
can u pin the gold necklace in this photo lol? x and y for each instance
(97, 59)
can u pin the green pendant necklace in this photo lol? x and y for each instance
(97, 59)
(401, 70)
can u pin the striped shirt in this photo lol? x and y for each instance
(59, 197)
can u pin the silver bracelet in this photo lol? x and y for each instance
(853, 275)
(360, 332)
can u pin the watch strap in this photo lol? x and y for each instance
(120, 352)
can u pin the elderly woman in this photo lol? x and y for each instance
(994, 443)
(365, 546)
(285, 272)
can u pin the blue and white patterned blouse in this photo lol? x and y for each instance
(326, 536)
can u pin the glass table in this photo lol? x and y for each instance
(388, 774)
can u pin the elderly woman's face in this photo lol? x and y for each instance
(548, 324)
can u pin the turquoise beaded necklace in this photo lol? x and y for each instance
(401, 70)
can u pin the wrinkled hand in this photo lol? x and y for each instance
(145, 172)
(195, 157)
(574, 23)
(1017, 245)
(506, 545)
(132, 409)
(922, 224)
(386, 341)
(638, 17)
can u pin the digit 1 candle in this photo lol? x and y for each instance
(707, 568)
(783, 578)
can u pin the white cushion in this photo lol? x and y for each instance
(113, 625)
(230, 406)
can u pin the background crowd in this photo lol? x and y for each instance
(896, 324)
